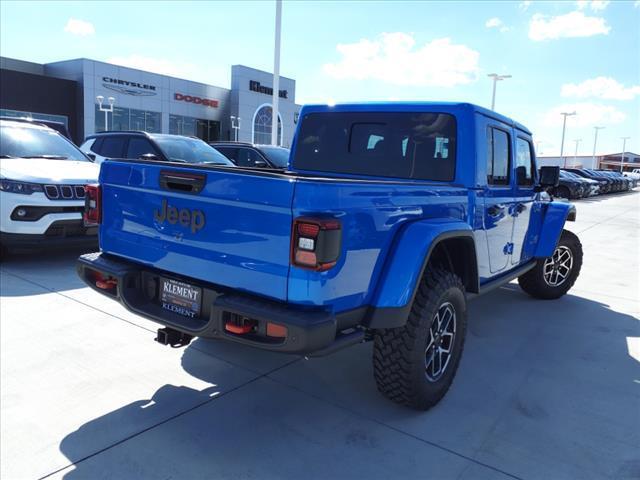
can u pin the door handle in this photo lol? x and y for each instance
(495, 210)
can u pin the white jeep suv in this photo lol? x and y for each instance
(42, 179)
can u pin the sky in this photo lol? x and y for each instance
(563, 56)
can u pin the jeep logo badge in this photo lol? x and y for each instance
(194, 219)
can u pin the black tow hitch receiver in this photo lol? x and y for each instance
(174, 338)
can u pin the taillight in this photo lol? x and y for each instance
(92, 208)
(315, 243)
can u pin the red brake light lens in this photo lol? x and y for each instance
(308, 229)
(92, 204)
(316, 243)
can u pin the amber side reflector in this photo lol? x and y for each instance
(274, 330)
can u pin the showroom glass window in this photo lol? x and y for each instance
(5, 112)
(129, 119)
(262, 126)
(207, 130)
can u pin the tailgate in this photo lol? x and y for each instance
(231, 228)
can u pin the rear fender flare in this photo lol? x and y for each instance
(405, 265)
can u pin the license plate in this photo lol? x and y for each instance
(180, 297)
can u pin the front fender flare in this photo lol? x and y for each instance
(555, 216)
(405, 265)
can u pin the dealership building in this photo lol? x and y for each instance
(77, 93)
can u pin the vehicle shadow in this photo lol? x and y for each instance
(531, 370)
(606, 196)
(54, 269)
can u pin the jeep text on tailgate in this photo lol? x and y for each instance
(389, 218)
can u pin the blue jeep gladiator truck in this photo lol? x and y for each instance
(389, 218)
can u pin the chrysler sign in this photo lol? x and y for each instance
(207, 102)
(129, 88)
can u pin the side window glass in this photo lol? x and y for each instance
(524, 160)
(243, 159)
(138, 147)
(254, 157)
(112, 147)
(498, 157)
(97, 145)
(230, 153)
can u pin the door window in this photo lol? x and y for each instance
(138, 147)
(230, 153)
(247, 157)
(524, 162)
(498, 157)
(112, 147)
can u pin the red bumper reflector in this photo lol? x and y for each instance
(306, 258)
(238, 329)
(106, 284)
(275, 330)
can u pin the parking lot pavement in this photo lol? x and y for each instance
(545, 389)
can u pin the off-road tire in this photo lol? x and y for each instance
(399, 354)
(533, 282)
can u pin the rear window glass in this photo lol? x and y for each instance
(414, 145)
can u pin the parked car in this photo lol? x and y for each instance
(620, 183)
(389, 217)
(571, 187)
(628, 182)
(252, 155)
(151, 146)
(59, 127)
(42, 179)
(606, 183)
(590, 187)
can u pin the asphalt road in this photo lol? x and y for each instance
(545, 389)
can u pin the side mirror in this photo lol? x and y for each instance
(149, 156)
(260, 164)
(91, 156)
(549, 177)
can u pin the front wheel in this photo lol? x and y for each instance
(415, 365)
(552, 277)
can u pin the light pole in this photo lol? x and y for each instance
(564, 126)
(235, 125)
(624, 145)
(106, 110)
(276, 75)
(538, 150)
(595, 141)
(496, 78)
(575, 154)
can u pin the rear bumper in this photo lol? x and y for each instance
(308, 330)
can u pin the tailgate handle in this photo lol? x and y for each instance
(182, 182)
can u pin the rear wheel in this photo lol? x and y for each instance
(414, 365)
(552, 277)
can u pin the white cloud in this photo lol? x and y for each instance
(606, 88)
(393, 58)
(587, 114)
(524, 6)
(636, 4)
(155, 65)
(574, 24)
(79, 27)
(594, 5)
(495, 22)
